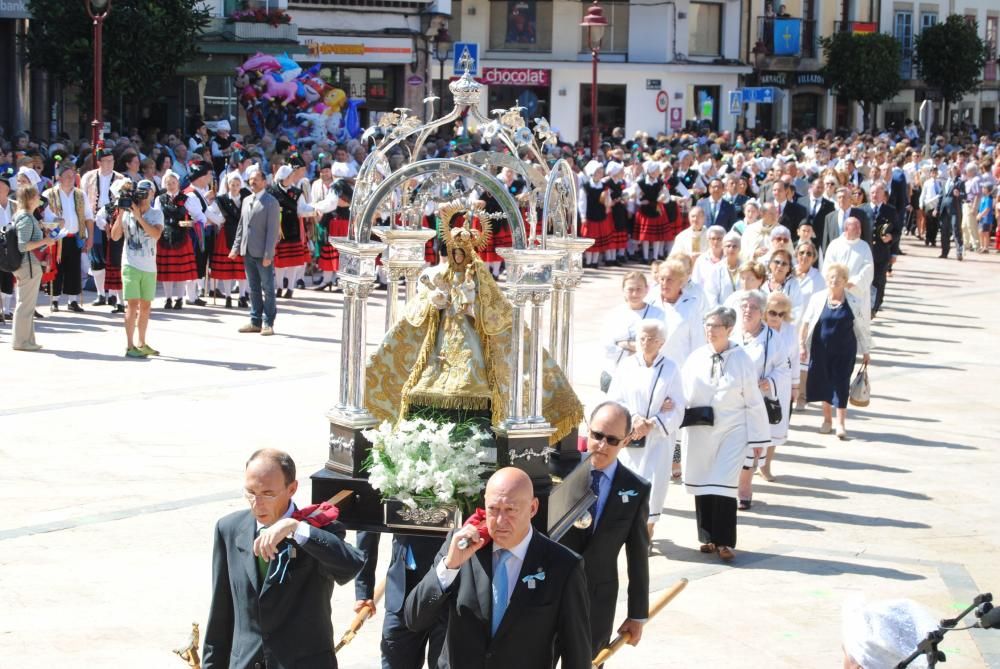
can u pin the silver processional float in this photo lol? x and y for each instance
(533, 412)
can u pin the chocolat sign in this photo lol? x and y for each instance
(514, 76)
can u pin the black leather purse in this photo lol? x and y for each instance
(773, 406)
(697, 416)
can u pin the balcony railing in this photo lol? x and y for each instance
(781, 37)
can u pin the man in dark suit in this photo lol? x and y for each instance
(886, 230)
(412, 558)
(817, 208)
(790, 213)
(833, 227)
(950, 212)
(509, 605)
(273, 576)
(256, 240)
(619, 518)
(718, 210)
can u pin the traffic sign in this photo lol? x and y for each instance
(662, 101)
(736, 102)
(459, 57)
(676, 118)
(758, 94)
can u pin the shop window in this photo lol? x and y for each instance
(610, 109)
(705, 21)
(805, 111)
(988, 119)
(616, 39)
(521, 25)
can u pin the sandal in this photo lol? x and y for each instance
(727, 553)
(708, 548)
(745, 504)
(826, 427)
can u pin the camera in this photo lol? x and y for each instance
(128, 198)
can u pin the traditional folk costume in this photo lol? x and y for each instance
(74, 210)
(643, 389)
(290, 256)
(713, 455)
(6, 217)
(202, 235)
(224, 213)
(105, 256)
(176, 264)
(618, 219)
(501, 236)
(333, 201)
(595, 223)
(650, 217)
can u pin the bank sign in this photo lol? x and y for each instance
(14, 9)
(514, 76)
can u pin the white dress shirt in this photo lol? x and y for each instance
(301, 534)
(67, 205)
(513, 565)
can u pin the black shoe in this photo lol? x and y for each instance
(215, 292)
(74, 307)
(198, 302)
(53, 307)
(284, 282)
(235, 290)
(178, 303)
(99, 302)
(323, 286)
(288, 294)
(300, 284)
(112, 300)
(277, 292)
(39, 316)
(119, 308)
(169, 304)
(243, 303)
(229, 302)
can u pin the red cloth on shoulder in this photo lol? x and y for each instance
(478, 520)
(317, 515)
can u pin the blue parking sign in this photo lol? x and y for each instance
(466, 53)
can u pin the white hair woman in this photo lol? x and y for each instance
(778, 316)
(706, 262)
(724, 416)
(649, 384)
(835, 328)
(768, 352)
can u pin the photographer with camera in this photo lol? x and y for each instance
(141, 227)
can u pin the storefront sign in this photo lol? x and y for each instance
(367, 50)
(14, 9)
(515, 76)
(415, 80)
(676, 118)
(779, 79)
(810, 79)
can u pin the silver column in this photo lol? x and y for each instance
(405, 257)
(537, 356)
(568, 273)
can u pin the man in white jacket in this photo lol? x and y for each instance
(849, 249)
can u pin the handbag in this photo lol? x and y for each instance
(773, 406)
(861, 388)
(698, 416)
(641, 442)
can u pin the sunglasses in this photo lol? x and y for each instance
(776, 314)
(600, 436)
(779, 263)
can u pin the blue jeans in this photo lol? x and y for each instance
(260, 281)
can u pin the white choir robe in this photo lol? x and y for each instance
(622, 325)
(755, 237)
(721, 284)
(643, 389)
(809, 284)
(690, 242)
(685, 330)
(777, 373)
(857, 255)
(713, 456)
(704, 266)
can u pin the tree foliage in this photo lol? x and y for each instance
(863, 67)
(951, 57)
(144, 43)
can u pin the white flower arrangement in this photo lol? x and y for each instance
(424, 463)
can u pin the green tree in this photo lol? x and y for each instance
(950, 57)
(863, 67)
(144, 43)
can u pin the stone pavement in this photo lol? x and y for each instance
(113, 472)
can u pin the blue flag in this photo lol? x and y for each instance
(787, 37)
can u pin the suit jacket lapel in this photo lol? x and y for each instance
(244, 539)
(482, 574)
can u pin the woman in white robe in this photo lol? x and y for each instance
(810, 282)
(720, 376)
(766, 349)
(780, 280)
(620, 330)
(649, 384)
(725, 277)
(778, 316)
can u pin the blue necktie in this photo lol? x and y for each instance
(411, 560)
(499, 588)
(595, 487)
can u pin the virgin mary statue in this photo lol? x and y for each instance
(451, 349)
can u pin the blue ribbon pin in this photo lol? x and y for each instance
(625, 494)
(531, 579)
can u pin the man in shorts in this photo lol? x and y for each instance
(141, 227)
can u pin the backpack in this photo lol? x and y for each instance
(10, 254)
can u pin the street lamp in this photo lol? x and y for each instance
(596, 23)
(442, 45)
(98, 11)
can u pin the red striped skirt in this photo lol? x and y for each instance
(617, 239)
(225, 268)
(599, 231)
(329, 256)
(651, 228)
(290, 254)
(177, 264)
(675, 224)
(113, 276)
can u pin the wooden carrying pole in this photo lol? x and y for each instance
(363, 615)
(656, 607)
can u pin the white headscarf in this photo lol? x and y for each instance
(30, 174)
(590, 169)
(879, 635)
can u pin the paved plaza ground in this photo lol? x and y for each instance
(113, 472)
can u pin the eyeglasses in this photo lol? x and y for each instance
(712, 326)
(600, 436)
(807, 253)
(830, 183)
(779, 263)
(252, 497)
(776, 314)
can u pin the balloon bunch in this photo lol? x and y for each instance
(278, 96)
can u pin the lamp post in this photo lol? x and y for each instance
(442, 45)
(98, 11)
(596, 23)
